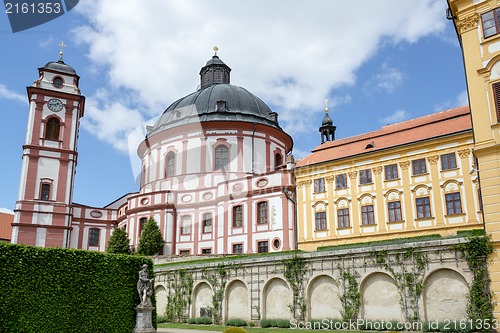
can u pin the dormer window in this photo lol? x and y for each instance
(221, 106)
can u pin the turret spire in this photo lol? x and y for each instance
(327, 129)
(61, 45)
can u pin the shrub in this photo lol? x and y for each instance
(151, 241)
(234, 330)
(235, 322)
(200, 321)
(119, 242)
(280, 323)
(161, 319)
(48, 290)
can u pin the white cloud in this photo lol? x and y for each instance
(6, 93)
(289, 53)
(6, 211)
(387, 79)
(463, 98)
(396, 117)
(460, 100)
(110, 119)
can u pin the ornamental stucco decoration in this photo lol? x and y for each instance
(468, 23)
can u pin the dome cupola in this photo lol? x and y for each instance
(216, 101)
(215, 71)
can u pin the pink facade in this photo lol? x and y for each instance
(214, 174)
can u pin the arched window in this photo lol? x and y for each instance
(221, 157)
(52, 128)
(278, 160)
(170, 164)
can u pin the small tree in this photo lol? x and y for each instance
(151, 241)
(119, 242)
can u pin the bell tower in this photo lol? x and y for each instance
(327, 128)
(43, 211)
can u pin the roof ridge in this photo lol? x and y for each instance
(396, 127)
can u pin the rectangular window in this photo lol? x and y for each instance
(367, 216)
(496, 94)
(453, 203)
(237, 216)
(320, 218)
(142, 224)
(170, 164)
(94, 236)
(184, 252)
(341, 181)
(394, 208)
(319, 185)
(262, 212)
(237, 248)
(206, 251)
(263, 247)
(491, 23)
(343, 218)
(419, 167)
(423, 207)
(448, 161)
(185, 225)
(221, 157)
(45, 195)
(207, 222)
(365, 176)
(391, 172)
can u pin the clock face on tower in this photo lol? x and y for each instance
(55, 105)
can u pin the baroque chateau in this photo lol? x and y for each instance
(218, 176)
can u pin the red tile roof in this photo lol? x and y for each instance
(424, 128)
(6, 226)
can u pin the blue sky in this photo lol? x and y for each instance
(377, 62)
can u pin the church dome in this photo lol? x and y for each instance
(217, 100)
(60, 66)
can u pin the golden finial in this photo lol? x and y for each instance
(326, 105)
(62, 45)
(216, 49)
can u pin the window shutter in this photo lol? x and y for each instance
(496, 94)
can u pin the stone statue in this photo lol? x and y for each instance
(145, 286)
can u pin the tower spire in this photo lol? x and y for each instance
(61, 45)
(327, 129)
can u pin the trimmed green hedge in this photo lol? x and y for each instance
(200, 321)
(279, 323)
(61, 290)
(236, 322)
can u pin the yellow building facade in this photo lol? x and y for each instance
(478, 30)
(407, 179)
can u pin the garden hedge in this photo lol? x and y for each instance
(61, 290)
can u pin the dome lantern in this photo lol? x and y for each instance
(214, 72)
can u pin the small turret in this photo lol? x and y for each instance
(327, 129)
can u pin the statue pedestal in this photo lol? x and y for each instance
(143, 323)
